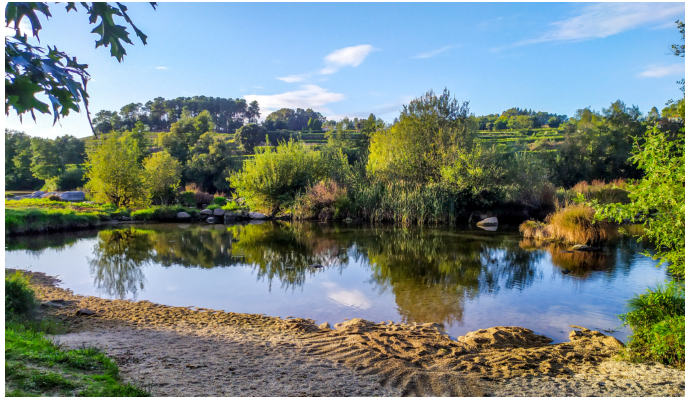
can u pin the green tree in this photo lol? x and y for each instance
(420, 144)
(28, 71)
(249, 136)
(114, 174)
(45, 159)
(211, 164)
(162, 176)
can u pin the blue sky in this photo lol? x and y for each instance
(351, 59)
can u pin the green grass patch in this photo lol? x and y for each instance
(35, 365)
(28, 220)
(163, 213)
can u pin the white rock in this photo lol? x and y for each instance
(183, 215)
(487, 222)
(219, 212)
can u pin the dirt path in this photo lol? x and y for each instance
(178, 351)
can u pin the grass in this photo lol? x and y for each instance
(36, 365)
(657, 319)
(162, 213)
(28, 220)
(573, 223)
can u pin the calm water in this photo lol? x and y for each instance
(465, 279)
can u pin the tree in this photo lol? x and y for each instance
(249, 136)
(28, 71)
(45, 159)
(211, 163)
(162, 176)
(554, 122)
(253, 112)
(429, 130)
(114, 174)
(184, 133)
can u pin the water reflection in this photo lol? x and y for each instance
(431, 273)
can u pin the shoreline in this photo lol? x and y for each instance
(401, 358)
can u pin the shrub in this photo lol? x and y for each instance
(186, 198)
(213, 207)
(231, 206)
(54, 197)
(198, 196)
(19, 297)
(324, 200)
(272, 179)
(219, 200)
(657, 319)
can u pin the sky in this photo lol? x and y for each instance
(353, 59)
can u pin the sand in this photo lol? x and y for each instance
(175, 351)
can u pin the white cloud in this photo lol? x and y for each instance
(351, 298)
(660, 71)
(352, 56)
(309, 96)
(292, 78)
(162, 68)
(606, 19)
(433, 52)
(259, 87)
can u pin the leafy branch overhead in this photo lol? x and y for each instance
(30, 69)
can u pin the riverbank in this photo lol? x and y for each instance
(173, 347)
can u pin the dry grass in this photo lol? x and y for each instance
(573, 223)
(605, 193)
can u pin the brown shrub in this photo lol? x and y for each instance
(54, 197)
(200, 197)
(324, 200)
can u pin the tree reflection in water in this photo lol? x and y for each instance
(119, 256)
(430, 271)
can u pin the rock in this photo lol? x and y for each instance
(125, 218)
(348, 220)
(317, 266)
(324, 326)
(51, 304)
(256, 215)
(73, 196)
(566, 271)
(211, 219)
(84, 312)
(229, 217)
(183, 215)
(492, 221)
(206, 212)
(489, 228)
(219, 212)
(585, 248)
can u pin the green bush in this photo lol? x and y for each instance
(219, 200)
(19, 297)
(213, 207)
(231, 206)
(187, 198)
(657, 319)
(272, 179)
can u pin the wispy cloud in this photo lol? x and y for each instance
(661, 71)
(606, 19)
(309, 96)
(352, 56)
(350, 298)
(162, 67)
(259, 87)
(433, 52)
(292, 78)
